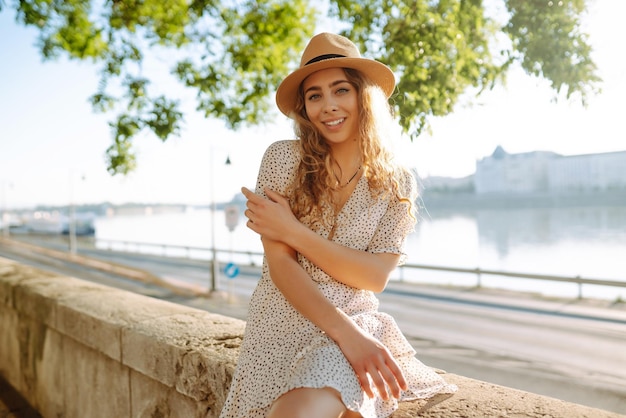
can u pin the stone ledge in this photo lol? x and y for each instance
(477, 399)
(156, 358)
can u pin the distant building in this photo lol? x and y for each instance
(548, 172)
(591, 172)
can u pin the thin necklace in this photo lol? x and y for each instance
(351, 178)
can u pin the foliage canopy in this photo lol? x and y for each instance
(234, 53)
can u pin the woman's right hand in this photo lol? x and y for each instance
(269, 217)
(370, 359)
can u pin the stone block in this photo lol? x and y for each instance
(94, 385)
(8, 277)
(9, 347)
(153, 399)
(37, 298)
(194, 352)
(82, 316)
(48, 397)
(31, 338)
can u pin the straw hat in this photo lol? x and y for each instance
(328, 50)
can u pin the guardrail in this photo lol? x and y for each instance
(253, 258)
(578, 280)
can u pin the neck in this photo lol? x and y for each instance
(345, 173)
(347, 155)
(342, 182)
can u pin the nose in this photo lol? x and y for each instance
(330, 105)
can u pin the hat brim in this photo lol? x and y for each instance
(379, 73)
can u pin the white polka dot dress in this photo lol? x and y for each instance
(282, 350)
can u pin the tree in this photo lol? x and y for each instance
(235, 53)
(444, 48)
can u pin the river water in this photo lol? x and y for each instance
(588, 241)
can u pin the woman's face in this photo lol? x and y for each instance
(331, 104)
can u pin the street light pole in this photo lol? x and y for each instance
(215, 270)
(71, 218)
(214, 264)
(6, 224)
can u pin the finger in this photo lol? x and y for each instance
(365, 384)
(397, 373)
(250, 225)
(251, 196)
(379, 383)
(393, 375)
(392, 382)
(276, 197)
(246, 192)
(272, 194)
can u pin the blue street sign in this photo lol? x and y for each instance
(231, 270)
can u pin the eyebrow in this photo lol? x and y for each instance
(333, 84)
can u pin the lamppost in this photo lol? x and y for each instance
(6, 224)
(71, 220)
(72, 216)
(215, 268)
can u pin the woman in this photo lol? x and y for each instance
(333, 213)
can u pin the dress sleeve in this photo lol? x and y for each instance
(398, 221)
(278, 167)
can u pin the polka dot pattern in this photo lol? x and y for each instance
(282, 350)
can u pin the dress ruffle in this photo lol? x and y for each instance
(309, 368)
(315, 360)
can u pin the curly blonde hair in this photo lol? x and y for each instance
(311, 192)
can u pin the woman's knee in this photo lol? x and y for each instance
(308, 403)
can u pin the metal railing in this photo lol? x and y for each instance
(578, 280)
(252, 258)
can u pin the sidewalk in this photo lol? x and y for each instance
(591, 309)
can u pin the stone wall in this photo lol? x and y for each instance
(76, 349)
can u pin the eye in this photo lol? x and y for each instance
(313, 97)
(343, 90)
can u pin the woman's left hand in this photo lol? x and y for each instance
(271, 218)
(373, 364)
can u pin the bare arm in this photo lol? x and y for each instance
(273, 218)
(365, 354)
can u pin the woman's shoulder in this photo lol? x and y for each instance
(284, 154)
(286, 147)
(278, 166)
(407, 182)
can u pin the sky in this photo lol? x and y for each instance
(52, 144)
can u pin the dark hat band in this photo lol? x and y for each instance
(327, 50)
(324, 57)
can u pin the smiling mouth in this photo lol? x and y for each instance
(335, 122)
